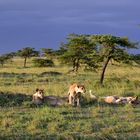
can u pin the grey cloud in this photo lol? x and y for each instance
(35, 21)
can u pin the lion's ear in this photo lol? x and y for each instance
(37, 90)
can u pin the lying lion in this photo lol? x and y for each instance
(117, 100)
(39, 98)
(129, 100)
(55, 100)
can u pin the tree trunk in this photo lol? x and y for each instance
(25, 59)
(77, 65)
(74, 64)
(103, 70)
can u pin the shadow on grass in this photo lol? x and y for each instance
(52, 73)
(49, 73)
(11, 99)
(20, 99)
(6, 74)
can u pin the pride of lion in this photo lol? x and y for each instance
(75, 92)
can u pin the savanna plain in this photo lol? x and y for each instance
(20, 119)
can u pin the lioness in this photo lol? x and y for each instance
(74, 93)
(129, 100)
(111, 99)
(122, 100)
(55, 100)
(38, 96)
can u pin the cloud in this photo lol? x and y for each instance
(63, 11)
(32, 21)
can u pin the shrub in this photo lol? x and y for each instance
(40, 62)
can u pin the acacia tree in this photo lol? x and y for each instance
(76, 50)
(48, 52)
(27, 53)
(62, 49)
(5, 57)
(121, 56)
(135, 58)
(108, 47)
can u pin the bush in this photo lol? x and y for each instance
(40, 62)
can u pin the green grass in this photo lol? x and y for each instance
(19, 119)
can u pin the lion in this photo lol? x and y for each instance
(121, 100)
(74, 93)
(111, 99)
(38, 97)
(128, 100)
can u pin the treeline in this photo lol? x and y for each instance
(92, 51)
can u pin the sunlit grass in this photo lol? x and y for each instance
(91, 121)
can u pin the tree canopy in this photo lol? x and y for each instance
(77, 48)
(111, 47)
(27, 53)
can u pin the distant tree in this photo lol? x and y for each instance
(135, 58)
(76, 50)
(40, 62)
(62, 49)
(2, 60)
(48, 52)
(5, 57)
(109, 47)
(27, 53)
(11, 54)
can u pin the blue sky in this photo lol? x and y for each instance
(46, 23)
